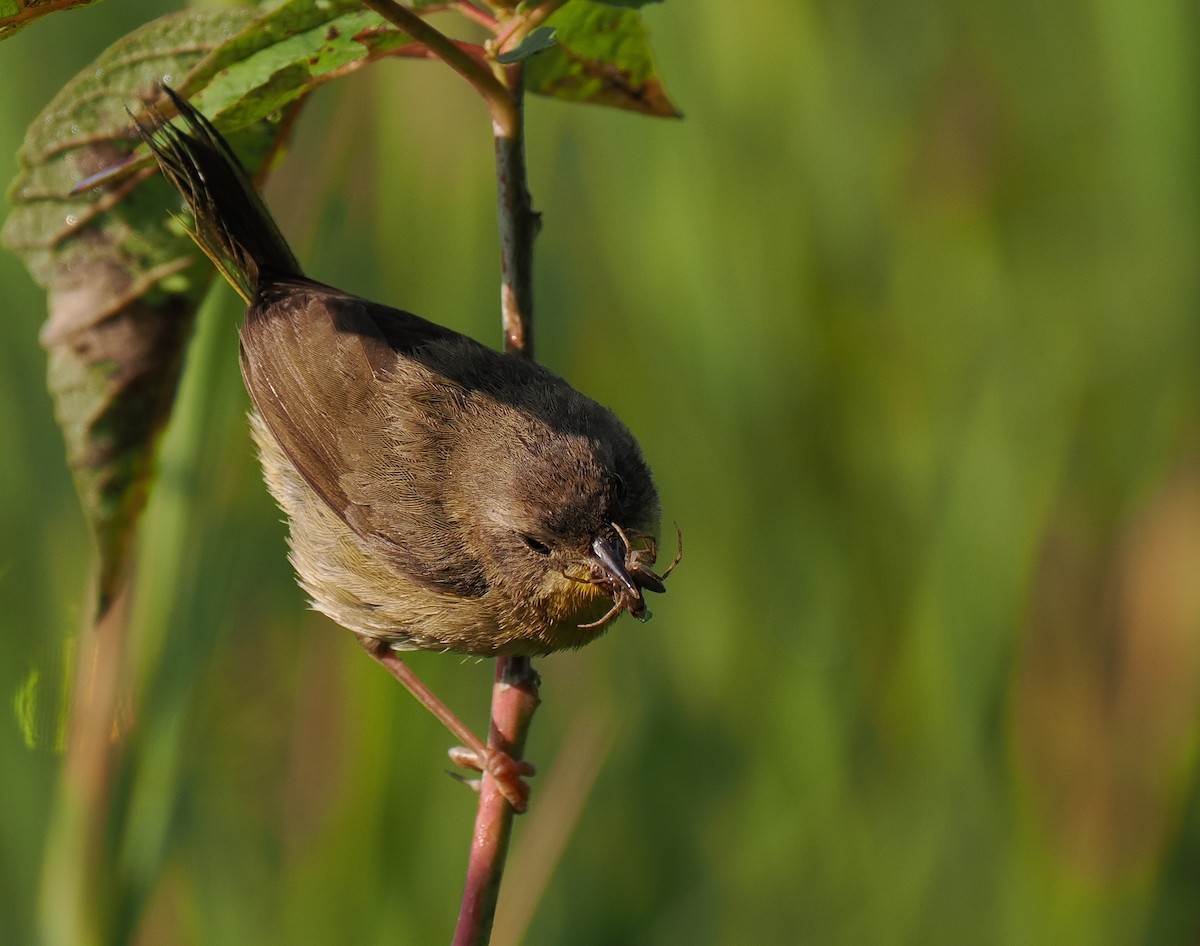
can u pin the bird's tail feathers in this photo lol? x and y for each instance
(230, 222)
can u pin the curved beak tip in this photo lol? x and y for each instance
(612, 560)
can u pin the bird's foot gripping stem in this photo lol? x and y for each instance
(509, 773)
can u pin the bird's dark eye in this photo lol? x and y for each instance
(540, 547)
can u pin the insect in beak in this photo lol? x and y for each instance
(625, 573)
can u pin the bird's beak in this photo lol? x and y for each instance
(611, 557)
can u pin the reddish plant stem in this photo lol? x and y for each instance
(515, 692)
(521, 26)
(471, 12)
(514, 699)
(481, 78)
(29, 11)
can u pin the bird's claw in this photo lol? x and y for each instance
(508, 773)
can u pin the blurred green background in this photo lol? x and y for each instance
(906, 314)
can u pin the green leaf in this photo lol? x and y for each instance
(17, 14)
(602, 56)
(540, 39)
(123, 281)
(627, 3)
(285, 54)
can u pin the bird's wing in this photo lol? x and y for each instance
(364, 422)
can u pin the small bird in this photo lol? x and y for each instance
(440, 495)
